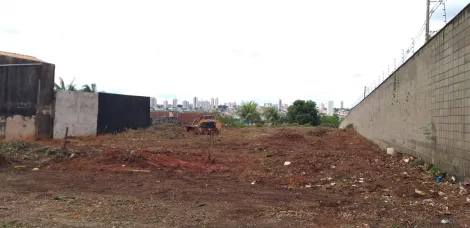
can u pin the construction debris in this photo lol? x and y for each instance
(419, 192)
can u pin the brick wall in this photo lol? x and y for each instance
(423, 108)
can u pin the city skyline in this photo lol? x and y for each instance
(277, 101)
(213, 102)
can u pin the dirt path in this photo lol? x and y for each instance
(335, 179)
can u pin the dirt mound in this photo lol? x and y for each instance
(319, 131)
(291, 136)
(126, 157)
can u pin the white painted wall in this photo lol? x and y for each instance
(76, 110)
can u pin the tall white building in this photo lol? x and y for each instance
(342, 105)
(212, 103)
(185, 104)
(175, 103)
(216, 103)
(280, 105)
(153, 102)
(330, 108)
(195, 103)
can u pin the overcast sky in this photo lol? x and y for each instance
(239, 50)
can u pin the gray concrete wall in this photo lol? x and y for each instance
(423, 108)
(76, 110)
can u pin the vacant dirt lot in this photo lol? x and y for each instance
(163, 178)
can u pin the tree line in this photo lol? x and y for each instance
(73, 87)
(300, 112)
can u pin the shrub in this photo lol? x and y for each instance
(328, 125)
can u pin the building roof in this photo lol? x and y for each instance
(19, 56)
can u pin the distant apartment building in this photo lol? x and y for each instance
(153, 102)
(330, 108)
(280, 105)
(268, 104)
(322, 106)
(185, 104)
(212, 103)
(342, 105)
(175, 103)
(195, 103)
(165, 104)
(216, 102)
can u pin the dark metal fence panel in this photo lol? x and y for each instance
(119, 112)
(19, 90)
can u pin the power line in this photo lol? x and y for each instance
(411, 48)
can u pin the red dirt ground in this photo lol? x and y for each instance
(162, 178)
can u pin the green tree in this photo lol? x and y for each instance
(248, 112)
(272, 115)
(89, 88)
(333, 121)
(303, 112)
(62, 86)
(229, 121)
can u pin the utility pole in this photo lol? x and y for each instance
(428, 3)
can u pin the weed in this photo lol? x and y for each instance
(11, 224)
(418, 162)
(328, 125)
(435, 171)
(430, 132)
(130, 157)
(319, 131)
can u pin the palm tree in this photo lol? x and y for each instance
(62, 86)
(248, 112)
(272, 115)
(89, 88)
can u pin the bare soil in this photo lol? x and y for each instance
(163, 178)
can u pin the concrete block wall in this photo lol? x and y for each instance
(18, 127)
(76, 110)
(423, 108)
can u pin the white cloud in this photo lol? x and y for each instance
(235, 50)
